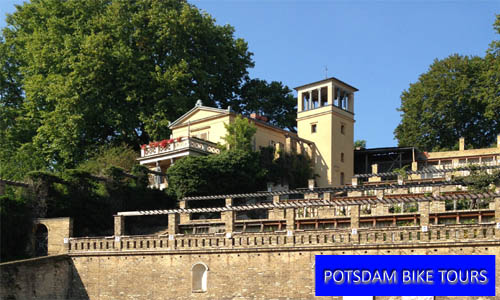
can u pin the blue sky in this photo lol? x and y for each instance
(380, 47)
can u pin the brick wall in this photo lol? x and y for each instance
(252, 272)
(44, 278)
(233, 274)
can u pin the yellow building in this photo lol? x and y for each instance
(325, 124)
(207, 123)
(464, 157)
(199, 131)
(326, 117)
(426, 165)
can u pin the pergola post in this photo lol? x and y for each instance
(228, 219)
(423, 208)
(119, 225)
(290, 219)
(173, 224)
(355, 212)
(497, 217)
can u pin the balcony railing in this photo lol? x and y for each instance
(179, 144)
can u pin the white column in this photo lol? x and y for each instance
(300, 105)
(350, 105)
(329, 94)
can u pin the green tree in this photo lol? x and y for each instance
(491, 79)
(88, 73)
(291, 169)
(272, 100)
(17, 155)
(122, 156)
(445, 104)
(458, 96)
(15, 225)
(233, 171)
(239, 134)
(481, 181)
(360, 144)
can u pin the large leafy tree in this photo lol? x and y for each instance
(84, 73)
(445, 104)
(270, 99)
(18, 155)
(491, 79)
(459, 96)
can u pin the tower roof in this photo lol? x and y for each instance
(335, 80)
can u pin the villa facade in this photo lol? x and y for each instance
(325, 132)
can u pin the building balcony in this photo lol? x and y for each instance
(174, 148)
(159, 156)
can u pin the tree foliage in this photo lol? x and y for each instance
(237, 171)
(359, 144)
(289, 169)
(448, 102)
(122, 156)
(491, 78)
(239, 134)
(233, 171)
(15, 225)
(481, 181)
(90, 195)
(272, 100)
(458, 96)
(90, 200)
(79, 74)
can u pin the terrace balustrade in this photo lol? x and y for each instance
(422, 226)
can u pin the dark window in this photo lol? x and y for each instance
(313, 128)
(41, 240)
(324, 96)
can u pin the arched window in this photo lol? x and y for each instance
(41, 240)
(200, 276)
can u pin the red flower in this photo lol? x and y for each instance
(163, 143)
(143, 146)
(170, 141)
(179, 139)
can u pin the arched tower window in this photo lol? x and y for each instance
(199, 277)
(41, 240)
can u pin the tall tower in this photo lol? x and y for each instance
(325, 116)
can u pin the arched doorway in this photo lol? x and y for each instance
(199, 277)
(41, 240)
